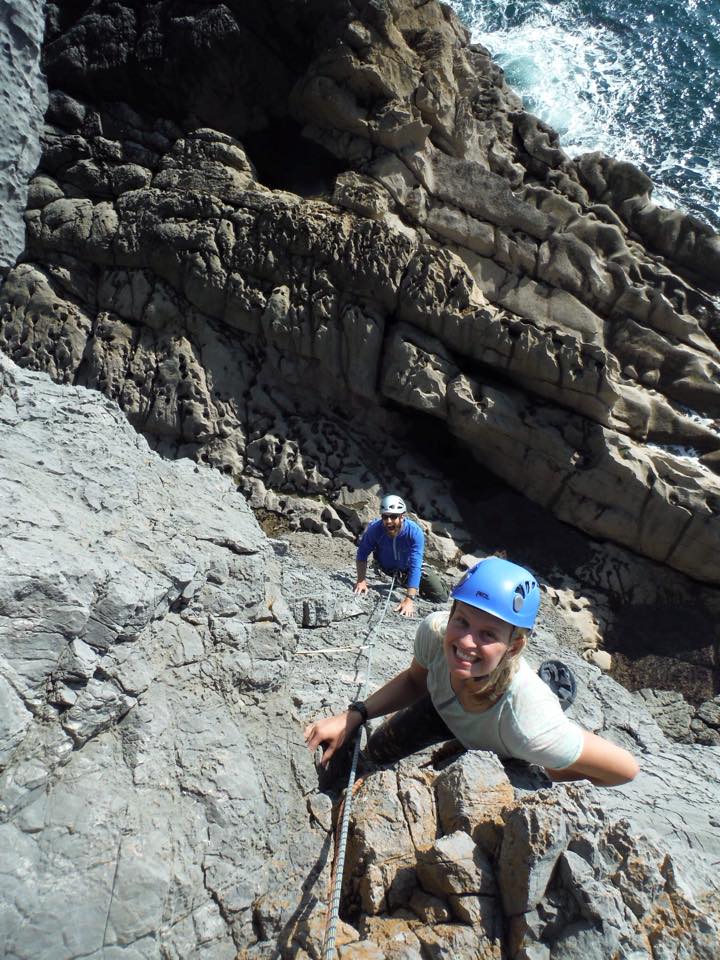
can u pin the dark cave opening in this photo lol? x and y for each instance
(286, 160)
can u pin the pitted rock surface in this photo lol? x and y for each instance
(560, 325)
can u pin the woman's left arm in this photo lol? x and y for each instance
(601, 762)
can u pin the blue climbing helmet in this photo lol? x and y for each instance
(503, 589)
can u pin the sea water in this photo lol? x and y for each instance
(637, 79)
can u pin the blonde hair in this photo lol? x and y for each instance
(486, 692)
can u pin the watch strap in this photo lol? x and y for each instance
(360, 708)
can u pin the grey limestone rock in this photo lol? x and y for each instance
(471, 795)
(455, 865)
(445, 941)
(23, 99)
(671, 711)
(150, 781)
(574, 877)
(381, 858)
(156, 794)
(529, 854)
(428, 908)
(705, 725)
(431, 253)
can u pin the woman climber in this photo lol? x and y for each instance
(468, 680)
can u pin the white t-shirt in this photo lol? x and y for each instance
(527, 722)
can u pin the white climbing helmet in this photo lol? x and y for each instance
(392, 504)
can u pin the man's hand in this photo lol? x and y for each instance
(406, 607)
(331, 733)
(361, 587)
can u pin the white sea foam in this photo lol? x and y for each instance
(710, 423)
(573, 75)
(688, 452)
(585, 80)
(684, 453)
(578, 82)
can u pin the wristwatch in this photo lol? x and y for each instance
(360, 708)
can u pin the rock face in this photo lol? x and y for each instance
(158, 656)
(425, 249)
(23, 100)
(137, 629)
(500, 870)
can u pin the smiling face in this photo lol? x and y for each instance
(392, 523)
(475, 643)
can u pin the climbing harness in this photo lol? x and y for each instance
(339, 865)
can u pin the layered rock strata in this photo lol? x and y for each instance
(451, 262)
(157, 655)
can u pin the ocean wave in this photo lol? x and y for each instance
(624, 81)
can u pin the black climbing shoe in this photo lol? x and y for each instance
(559, 677)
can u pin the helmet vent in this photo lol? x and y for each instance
(522, 592)
(393, 505)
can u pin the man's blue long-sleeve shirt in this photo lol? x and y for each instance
(403, 552)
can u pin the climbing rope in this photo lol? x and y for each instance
(324, 650)
(339, 865)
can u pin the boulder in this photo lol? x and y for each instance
(455, 865)
(472, 794)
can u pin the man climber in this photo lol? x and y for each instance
(397, 544)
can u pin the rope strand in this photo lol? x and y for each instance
(339, 865)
